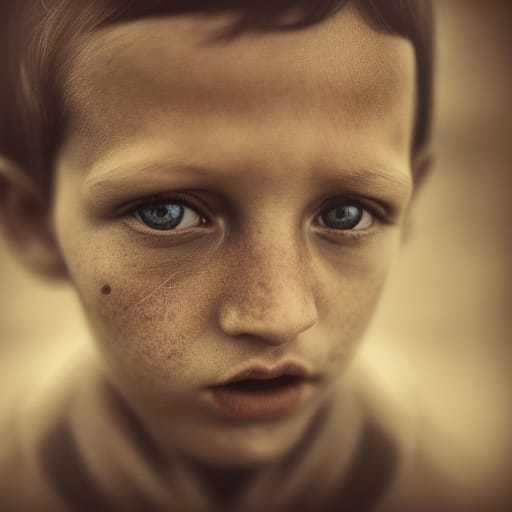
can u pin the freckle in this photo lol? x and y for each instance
(106, 290)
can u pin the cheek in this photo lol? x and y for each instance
(351, 313)
(147, 310)
(352, 287)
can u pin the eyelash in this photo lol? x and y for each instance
(377, 212)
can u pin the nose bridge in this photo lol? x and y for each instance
(268, 293)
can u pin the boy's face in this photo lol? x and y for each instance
(250, 145)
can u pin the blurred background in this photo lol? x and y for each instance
(447, 309)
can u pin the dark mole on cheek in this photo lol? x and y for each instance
(106, 289)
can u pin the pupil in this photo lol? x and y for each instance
(161, 212)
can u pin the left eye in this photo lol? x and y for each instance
(168, 215)
(346, 217)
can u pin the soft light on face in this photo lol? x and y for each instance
(226, 202)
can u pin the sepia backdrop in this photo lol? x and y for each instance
(447, 309)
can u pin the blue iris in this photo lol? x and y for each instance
(343, 217)
(163, 215)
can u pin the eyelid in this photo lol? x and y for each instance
(382, 215)
(187, 199)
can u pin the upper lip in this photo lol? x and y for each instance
(262, 372)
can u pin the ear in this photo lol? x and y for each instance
(26, 224)
(422, 167)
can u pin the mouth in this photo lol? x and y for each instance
(287, 371)
(260, 393)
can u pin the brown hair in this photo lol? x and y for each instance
(36, 34)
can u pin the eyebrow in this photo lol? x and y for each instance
(105, 184)
(118, 180)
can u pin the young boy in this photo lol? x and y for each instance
(225, 184)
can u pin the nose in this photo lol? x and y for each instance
(268, 295)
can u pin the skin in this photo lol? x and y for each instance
(261, 133)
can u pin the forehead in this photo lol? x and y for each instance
(131, 76)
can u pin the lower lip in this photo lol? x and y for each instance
(259, 404)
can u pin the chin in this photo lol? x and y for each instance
(250, 454)
(249, 445)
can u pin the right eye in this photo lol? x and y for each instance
(168, 215)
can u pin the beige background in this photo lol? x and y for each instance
(447, 310)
